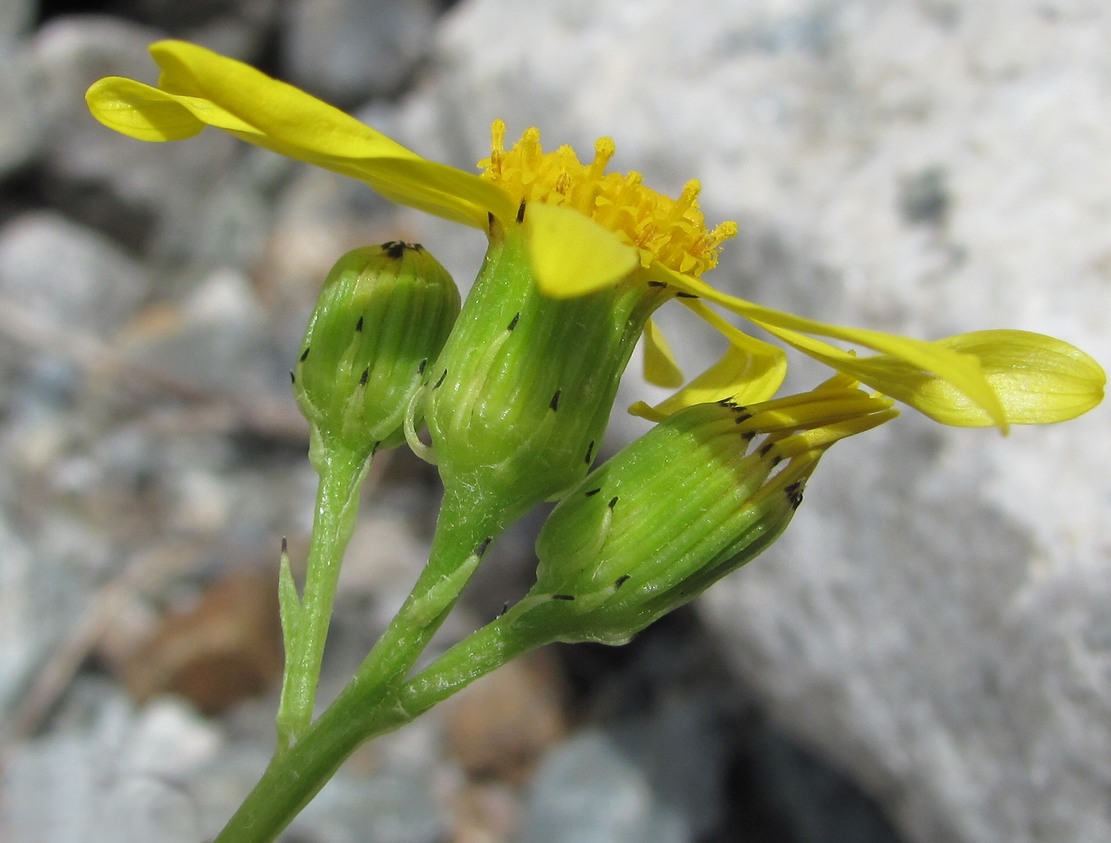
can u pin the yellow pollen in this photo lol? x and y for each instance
(671, 231)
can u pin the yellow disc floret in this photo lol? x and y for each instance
(671, 231)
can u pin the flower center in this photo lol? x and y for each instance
(671, 231)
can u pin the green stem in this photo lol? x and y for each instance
(463, 531)
(481, 652)
(364, 710)
(297, 774)
(306, 621)
(371, 704)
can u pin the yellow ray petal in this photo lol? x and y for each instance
(749, 371)
(572, 255)
(149, 114)
(760, 367)
(273, 107)
(1039, 379)
(889, 372)
(200, 88)
(660, 367)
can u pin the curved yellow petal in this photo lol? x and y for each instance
(273, 107)
(571, 254)
(750, 371)
(901, 369)
(201, 88)
(1039, 379)
(660, 366)
(150, 114)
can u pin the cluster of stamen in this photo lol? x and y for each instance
(671, 231)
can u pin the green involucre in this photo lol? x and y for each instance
(518, 401)
(695, 498)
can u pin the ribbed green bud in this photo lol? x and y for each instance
(519, 399)
(383, 314)
(692, 500)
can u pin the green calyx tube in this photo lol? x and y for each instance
(518, 401)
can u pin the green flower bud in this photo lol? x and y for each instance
(694, 499)
(383, 313)
(519, 399)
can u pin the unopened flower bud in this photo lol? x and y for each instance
(692, 500)
(383, 313)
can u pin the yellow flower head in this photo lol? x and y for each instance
(671, 231)
(587, 230)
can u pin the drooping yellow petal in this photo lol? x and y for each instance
(572, 255)
(889, 372)
(1039, 379)
(660, 366)
(200, 88)
(763, 366)
(750, 371)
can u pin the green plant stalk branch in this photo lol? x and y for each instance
(295, 775)
(463, 532)
(305, 621)
(378, 700)
(481, 652)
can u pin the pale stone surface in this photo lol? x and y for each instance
(55, 269)
(21, 130)
(346, 52)
(119, 777)
(936, 619)
(18, 646)
(654, 779)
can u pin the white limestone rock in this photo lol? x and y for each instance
(936, 620)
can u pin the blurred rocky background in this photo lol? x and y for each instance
(926, 656)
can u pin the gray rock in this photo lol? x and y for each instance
(233, 27)
(347, 52)
(397, 806)
(935, 620)
(65, 288)
(217, 340)
(74, 277)
(21, 129)
(164, 773)
(122, 775)
(653, 779)
(21, 639)
(16, 18)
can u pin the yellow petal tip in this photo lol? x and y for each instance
(572, 255)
